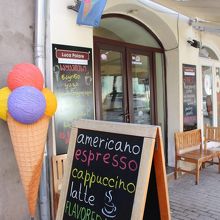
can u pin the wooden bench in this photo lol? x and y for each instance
(188, 148)
(212, 134)
(58, 165)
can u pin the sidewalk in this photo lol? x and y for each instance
(197, 202)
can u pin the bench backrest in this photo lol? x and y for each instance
(58, 162)
(188, 140)
(211, 134)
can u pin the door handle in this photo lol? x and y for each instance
(126, 117)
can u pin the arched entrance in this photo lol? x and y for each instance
(129, 73)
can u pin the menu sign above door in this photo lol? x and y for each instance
(108, 172)
(73, 86)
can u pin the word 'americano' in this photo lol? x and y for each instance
(108, 144)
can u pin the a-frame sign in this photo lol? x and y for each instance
(114, 171)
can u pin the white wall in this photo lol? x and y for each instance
(63, 27)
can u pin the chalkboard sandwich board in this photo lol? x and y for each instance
(114, 171)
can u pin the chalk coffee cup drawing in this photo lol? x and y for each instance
(109, 208)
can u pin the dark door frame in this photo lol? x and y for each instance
(142, 51)
(97, 47)
(126, 50)
(108, 43)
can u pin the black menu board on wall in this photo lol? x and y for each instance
(189, 97)
(107, 173)
(73, 86)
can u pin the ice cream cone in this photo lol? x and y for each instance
(28, 142)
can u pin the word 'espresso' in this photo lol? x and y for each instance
(111, 146)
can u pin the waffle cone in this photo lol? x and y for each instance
(28, 143)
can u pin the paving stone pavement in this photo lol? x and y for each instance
(196, 202)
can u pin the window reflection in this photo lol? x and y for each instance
(218, 93)
(141, 89)
(112, 86)
(207, 95)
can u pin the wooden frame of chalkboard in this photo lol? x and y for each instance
(114, 171)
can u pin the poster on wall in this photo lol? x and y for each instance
(73, 86)
(189, 97)
(218, 93)
(207, 95)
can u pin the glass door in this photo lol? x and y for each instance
(207, 89)
(123, 85)
(110, 83)
(218, 94)
(139, 72)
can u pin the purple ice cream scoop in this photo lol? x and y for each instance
(26, 104)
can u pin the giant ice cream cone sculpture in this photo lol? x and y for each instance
(28, 142)
(28, 110)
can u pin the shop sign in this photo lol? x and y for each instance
(90, 12)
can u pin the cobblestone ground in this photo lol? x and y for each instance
(196, 202)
